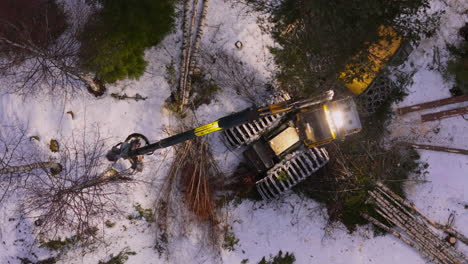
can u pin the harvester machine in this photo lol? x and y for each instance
(283, 141)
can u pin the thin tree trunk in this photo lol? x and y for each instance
(56, 167)
(110, 175)
(437, 148)
(432, 104)
(200, 29)
(188, 75)
(196, 46)
(444, 114)
(185, 54)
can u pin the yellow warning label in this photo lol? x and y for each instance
(206, 129)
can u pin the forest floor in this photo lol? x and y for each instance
(257, 229)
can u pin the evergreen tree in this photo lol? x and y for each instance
(319, 37)
(115, 38)
(458, 67)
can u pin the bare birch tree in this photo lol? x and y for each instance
(81, 195)
(40, 56)
(74, 191)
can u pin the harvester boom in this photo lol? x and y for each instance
(248, 115)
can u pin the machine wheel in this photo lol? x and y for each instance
(293, 169)
(247, 133)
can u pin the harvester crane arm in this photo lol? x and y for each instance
(126, 150)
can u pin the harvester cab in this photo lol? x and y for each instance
(310, 127)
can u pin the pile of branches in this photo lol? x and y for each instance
(197, 168)
(406, 222)
(188, 191)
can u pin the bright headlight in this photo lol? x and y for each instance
(338, 118)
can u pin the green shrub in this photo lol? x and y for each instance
(204, 90)
(143, 213)
(230, 239)
(458, 67)
(59, 244)
(114, 39)
(288, 258)
(170, 75)
(120, 258)
(109, 223)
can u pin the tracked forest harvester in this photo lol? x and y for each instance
(283, 140)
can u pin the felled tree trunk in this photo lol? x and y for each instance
(398, 212)
(401, 237)
(444, 114)
(110, 175)
(437, 148)
(432, 104)
(444, 228)
(53, 166)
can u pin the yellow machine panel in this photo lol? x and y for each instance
(206, 129)
(380, 53)
(284, 140)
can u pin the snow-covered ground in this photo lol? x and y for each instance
(290, 224)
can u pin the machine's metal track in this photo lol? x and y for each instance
(377, 93)
(380, 89)
(293, 169)
(247, 133)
